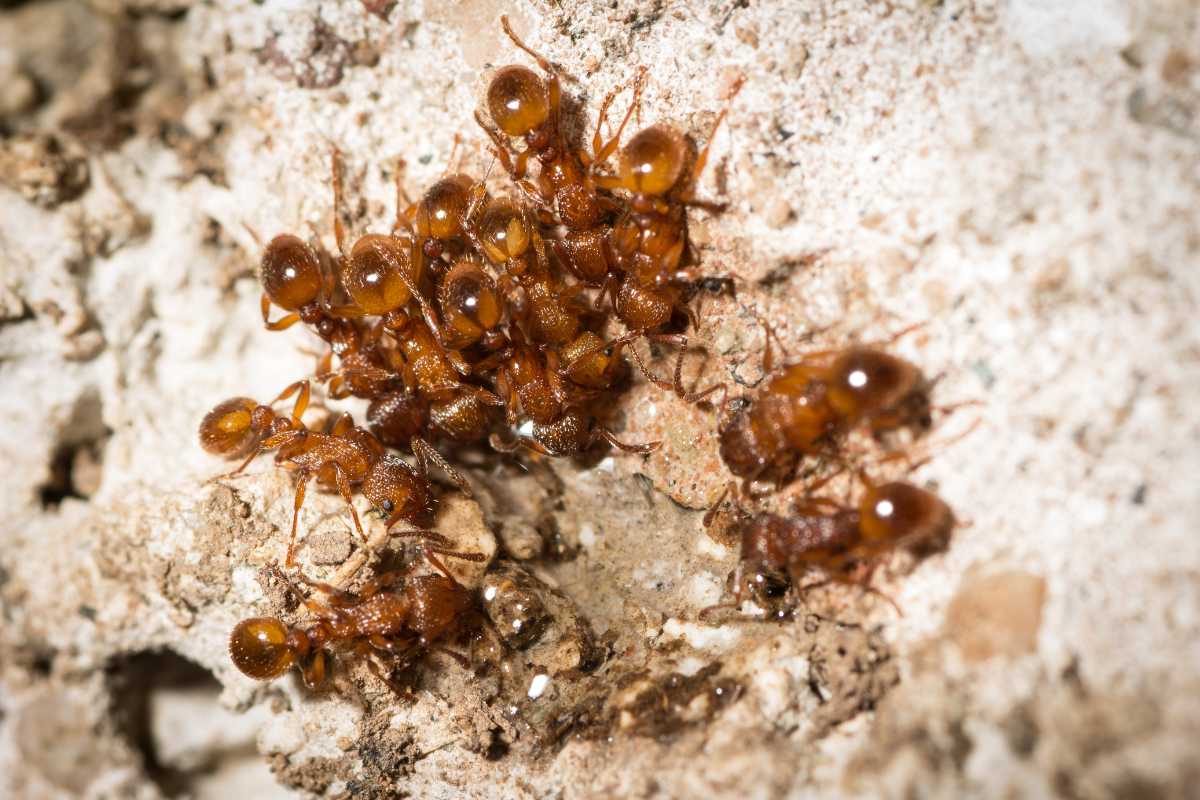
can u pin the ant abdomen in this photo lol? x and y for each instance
(372, 274)
(471, 307)
(440, 211)
(233, 427)
(864, 382)
(261, 648)
(291, 272)
(900, 512)
(504, 233)
(653, 160)
(516, 99)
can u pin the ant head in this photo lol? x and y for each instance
(503, 232)
(262, 648)
(864, 381)
(375, 273)
(441, 209)
(231, 427)
(393, 487)
(751, 579)
(290, 273)
(470, 304)
(653, 160)
(901, 511)
(516, 99)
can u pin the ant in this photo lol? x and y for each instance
(381, 275)
(524, 105)
(400, 622)
(649, 242)
(804, 406)
(845, 543)
(560, 427)
(345, 456)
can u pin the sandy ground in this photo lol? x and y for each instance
(1022, 178)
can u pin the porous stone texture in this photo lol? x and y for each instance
(1019, 179)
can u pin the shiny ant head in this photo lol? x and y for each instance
(653, 160)
(470, 304)
(290, 273)
(440, 210)
(395, 489)
(233, 426)
(864, 382)
(377, 274)
(262, 647)
(503, 232)
(901, 511)
(516, 99)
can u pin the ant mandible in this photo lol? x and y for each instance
(342, 458)
(378, 619)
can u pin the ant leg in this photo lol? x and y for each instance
(324, 365)
(301, 404)
(702, 156)
(337, 596)
(381, 581)
(336, 178)
(403, 201)
(462, 555)
(711, 514)
(705, 613)
(500, 446)
(283, 323)
(425, 453)
(423, 533)
(462, 660)
(343, 485)
(607, 435)
(343, 425)
(301, 487)
(602, 150)
(676, 385)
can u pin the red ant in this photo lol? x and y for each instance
(560, 426)
(342, 458)
(523, 105)
(806, 405)
(843, 543)
(380, 619)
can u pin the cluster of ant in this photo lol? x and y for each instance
(483, 319)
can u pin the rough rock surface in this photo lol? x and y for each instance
(1020, 178)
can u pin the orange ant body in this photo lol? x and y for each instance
(400, 623)
(523, 105)
(345, 457)
(843, 543)
(805, 406)
(648, 287)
